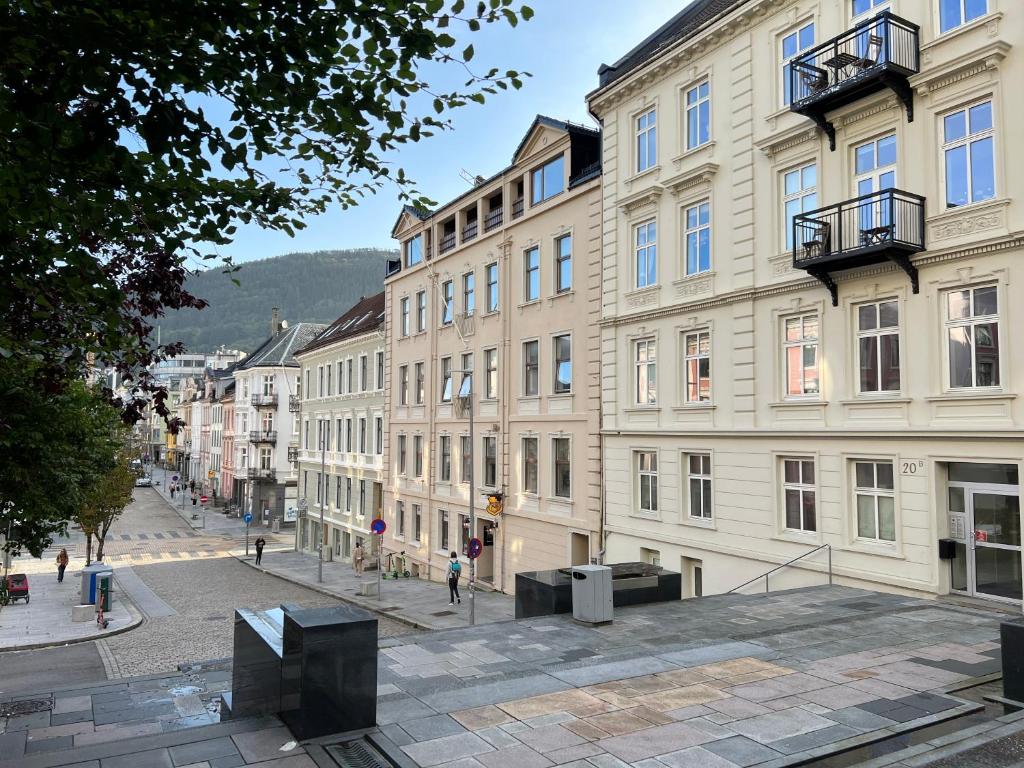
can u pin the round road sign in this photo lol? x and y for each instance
(474, 548)
(247, 517)
(174, 478)
(203, 499)
(378, 526)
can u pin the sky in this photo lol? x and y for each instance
(562, 47)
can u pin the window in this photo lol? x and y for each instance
(269, 381)
(446, 379)
(421, 311)
(697, 361)
(548, 180)
(491, 275)
(698, 470)
(878, 346)
(969, 151)
(448, 302)
(647, 481)
(531, 368)
(305, 389)
(563, 264)
(379, 365)
(417, 456)
(414, 251)
(348, 495)
(378, 428)
(350, 387)
(466, 383)
(403, 385)
(401, 454)
(490, 461)
(799, 195)
(802, 355)
(464, 534)
(466, 455)
(362, 498)
(792, 45)
(530, 483)
(972, 330)
(646, 372)
(955, 13)
(330, 389)
(443, 531)
(338, 436)
(265, 459)
(400, 519)
(341, 380)
(563, 364)
(419, 383)
(490, 374)
(362, 435)
(645, 249)
(646, 141)
(798, 494)
(337, 493)
(364, 373)
(445, 468)
(531, 274)
(876, 505)
(469, 293)
(348, 435)
(417, 521)
(697, 238)
(404, 316)
(860, 7)
(698, 115)
(563, 470)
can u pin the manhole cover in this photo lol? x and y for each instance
(26, 707)
(443, 613)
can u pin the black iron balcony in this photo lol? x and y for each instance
(517, 208)
(263, 436)
(881, 52)
(493, 219)
(294, 404)
(293, 453)
(447, 242)
(262, 401)
(872, 228)
(469, 231)
(260, 473)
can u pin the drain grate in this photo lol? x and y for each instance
(391, 608)
(357, 754)
(25, 707)
(443, 613)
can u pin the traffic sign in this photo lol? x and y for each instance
(203, 499)
(378, 526)
(474, 548)
(174, 478)
(247, 517)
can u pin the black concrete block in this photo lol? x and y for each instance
(1011, 640)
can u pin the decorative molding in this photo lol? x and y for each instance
(794, 137)
(640, 200)
(702, 174)
(645, 297)
(968, 221)
(694, 285)
(883, 105)
(707, 148)
(782, 265)
(984, 59)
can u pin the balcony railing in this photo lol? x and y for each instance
(263, 436)
(493, 219)
(264, 400)
(294, 404)
(260, 473)
(879, 226)
(881, 52)
(469, 231)
(517, 208)
(293, 453)
(447, 243)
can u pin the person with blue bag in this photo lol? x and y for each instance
(454, 572)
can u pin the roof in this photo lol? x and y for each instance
(683, 25)
(364, 316)
(279, 350)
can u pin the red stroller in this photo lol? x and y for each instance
(17, 587)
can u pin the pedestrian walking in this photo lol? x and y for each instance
(454, 572)
(260, 544)
(62, 564)
(173, 489)
(357, 558)
(192, 485)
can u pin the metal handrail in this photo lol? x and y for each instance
(786, 564)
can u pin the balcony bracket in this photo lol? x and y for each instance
(826, 279)
(902, 261)
(827, 127)
(901, 87)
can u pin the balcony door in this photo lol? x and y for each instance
(874, 171)
(869, 44)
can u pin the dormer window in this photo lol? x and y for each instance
(414, 251)
(548, 180)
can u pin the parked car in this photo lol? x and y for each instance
(143, 481)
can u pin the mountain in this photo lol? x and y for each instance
(308, 287)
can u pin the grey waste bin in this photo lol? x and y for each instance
(592, 593)
(89, 574)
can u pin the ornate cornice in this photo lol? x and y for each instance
(693, 177)
(937, 78)
(640, 200)
(778, 143)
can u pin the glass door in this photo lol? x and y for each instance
(875, 169)
(985, 523)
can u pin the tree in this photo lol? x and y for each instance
(115, 165)
(104, 501)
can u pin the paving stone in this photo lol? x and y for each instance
(570, 754)
(293, 761)
(861, 719)
(742, 751)
(12, 745)
(677, 698)
(401, 710)
(549, 737)
(49, 745)
(685, 713)
(262, 745)
(28, 722)
(694, 757)
(492, 693)
(587, 730)
(447, 748)
(658, 740)
(53, 731)
(203, 750)
(553, 719)
(71, 717)
(618, 723)
(464, 762)
(780, 725)
(714, 653)
(738, 708)
(514, 727)
(431, 727)
(616, 670)
(514, 757)
(65, 704)
(233, 761)
(814, 739)
(497, 737)
(398, 737)
(606, 761)
(151, 758)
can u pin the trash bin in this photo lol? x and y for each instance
(277, 525)
(592, 594)
(89, 575)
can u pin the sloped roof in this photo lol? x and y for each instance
(279, 350)
(364, 316)
(550, 122)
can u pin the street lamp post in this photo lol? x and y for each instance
(466, 396)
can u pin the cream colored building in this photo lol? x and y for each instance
(341, 435)
(503, 281)
(771, 383)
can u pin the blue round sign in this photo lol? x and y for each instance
(474, 548)
(247, 517)
(378, 526)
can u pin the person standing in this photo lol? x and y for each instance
(173, 489)
(260, 544)
(357, 558)
(454, 572)
(62, 564)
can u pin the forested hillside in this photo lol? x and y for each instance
(308, 287)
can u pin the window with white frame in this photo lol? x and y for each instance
(417, 522)
(337, 493)
(349, 376)
(698, 477)
(646, 140)
(698, 115)
(403, 322)
(799, 494)
(956, 13)
(443, 528)
(341, 379)
(364, 373)
(697, 366)
(548, 180)
(697, 238)
(530, 457)
(968, 151)
(647, 482)
(445, 463)
(646, 363)
(878, 346)
(491, 276)
(466, 458)
(330, 388)
(338, 434)
(799, 195)
(875, 498)
(562, 349)
(446, 379)
(362, 434)
(793, 44)
(447, 302)
(531, 368)
(562, 458)
(531, 274)
(414, 251)
(400, 519)
(319, 381)
(490, 374)
(645, 251)
(490, 461)
(378, 443)
(469, 293)
(801, 350)
(972, 334)
(348, 435)
(421, 311)
(269, 383)
(403, 385)
(419, 383)
(348, 495)
(463, 534)
(401, 454)
(379, 360)
(563, 264)
(417, 456)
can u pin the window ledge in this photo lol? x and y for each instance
(559, 500)
(979, 206)
(528, 398)
(642, 409)
(963, 29)
(882, 399)
(652, 516)
(687, 407)
(707, 146)
(560, 395)
(810, 538)
(796, 403)
(637, 175)
(526, 304)
(560, 294)
(875, 549)
(952, 397)
(708, 523)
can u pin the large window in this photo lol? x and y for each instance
(446, 379)
(563, 364)
(548, 180)
(362, 434)
(563, 264)
(414, 251)
(563, 467)
(490, 374)
(876, 505)
(697, 237)
(469, 293)
(491, 275)
(421, 311)
(447, 302)
(646, 372)
(445, 464)
(531, 368)
(530, 483)
(403, 322)
(403, 385)
(399, 519)
(878, 346)
(364, 374)
(417, 456)
(698, 115)
(490, 461)
(348, 435)
(793, 44)
(401, 454)
(419, 383)
(646, 141)
(466, 457)
(417, 522)
(697, 362)
(645, 251)
(531, 274)
(802, 355)
(972, 331)
(378, 428)
(379, 366)
(799, 492)
(698, 475)
(969, 152)
(647, 481)
(444, 528)
(799, 195)
(955, 13)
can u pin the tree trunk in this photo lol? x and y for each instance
(99, 546)
(88, 548)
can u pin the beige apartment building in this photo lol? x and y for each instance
(812, 228)
(341, 434)
(503, 281)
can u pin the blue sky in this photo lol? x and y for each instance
(562, 46)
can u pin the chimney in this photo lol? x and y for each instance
(274, 323)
